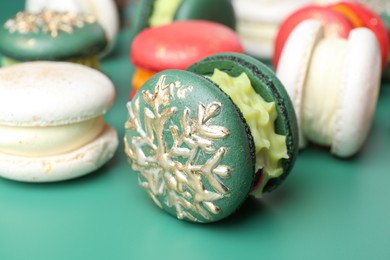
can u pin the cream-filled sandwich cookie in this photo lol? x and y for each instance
(51, 121)
(333, 83)
(204, 138)
(105, 12)
(258, 23)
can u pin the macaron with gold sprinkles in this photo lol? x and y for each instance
(52, 36)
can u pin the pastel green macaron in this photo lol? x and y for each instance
(52, 36)
(205, 138)
(152, 13)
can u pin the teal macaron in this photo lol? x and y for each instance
(52, 36)
(203, 139)
(151, 13)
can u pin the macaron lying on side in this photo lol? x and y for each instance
(204, 138)
(151, 13)
(338, 19)
(333, 84)
(53, 36)
(335, 25)
(362, 16)
(177, 45)
(51, 121)
(105, 12)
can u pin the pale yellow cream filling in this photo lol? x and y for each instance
(260, 116)
(92, 61)
(46, 141)
(163, 12)
(322, 89)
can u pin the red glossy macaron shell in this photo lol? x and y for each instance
(370, 20)
(181, 43)
(335, 24)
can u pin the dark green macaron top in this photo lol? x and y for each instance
(51, 35)
(220, 11)
(191, 144)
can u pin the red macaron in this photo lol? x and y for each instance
(177, 45)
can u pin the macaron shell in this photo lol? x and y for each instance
(181, 43)
(335, 25)
(294, 64)
(211, 171)
(268, 86)
(63, 166)
(220, 11)
(52, 93)
(104, 10)
(359, 93)
(84, 41)
(107, 14)
(373, 22)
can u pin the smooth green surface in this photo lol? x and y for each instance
(326, 209)
(84, 41)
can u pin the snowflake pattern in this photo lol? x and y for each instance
(184, 173)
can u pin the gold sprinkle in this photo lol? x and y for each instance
(48, 21)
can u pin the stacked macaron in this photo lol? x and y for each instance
(204, 138)
(334, 84)
(54, 36)
(51, 121)
(258, 22)
(105, 12)
(177, 45)
(151, 13)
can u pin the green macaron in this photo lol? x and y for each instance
(152, 13)
(386, 19)
(200, 152)
(52, 36)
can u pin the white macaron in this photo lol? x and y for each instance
(105, 12)
(258, 23)
(333, 83)
(51, 121)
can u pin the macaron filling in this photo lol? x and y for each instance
(260, 116)
(322, 89)
(49, 140)
(163, 12)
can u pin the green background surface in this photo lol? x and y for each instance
(328, 208)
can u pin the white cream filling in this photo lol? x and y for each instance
(322, 89)
(46, 141)
(257, 38)
(257, 30)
